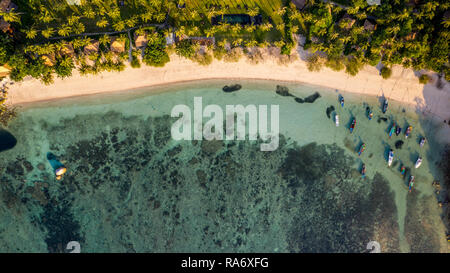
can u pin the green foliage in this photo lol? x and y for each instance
(352, 66)
(424, 79)
(185, 48)
(386, 72)
(314, 62)
(64, 67)
(6, 48)
(203, 59)
(155, 53)
(219, 52)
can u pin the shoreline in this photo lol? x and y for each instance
(403, 86)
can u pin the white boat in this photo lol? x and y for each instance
(336, 119)
(418, 162)
(391, 157)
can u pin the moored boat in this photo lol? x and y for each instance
(418, 162)
(361, 149)
(411, 183)
(363, 170)
(403, 170)
(341, 100)
(391, 132)
(422, 141)
(390, 157)
(385, 106)
(336, 120)
(352, 126)
(408, 131)
(398, 130)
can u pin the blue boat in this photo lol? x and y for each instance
(352, 126)
(391, 132)
(361, 149)
(341, 100)
(385, 106)
(411, 183)
(363, 170)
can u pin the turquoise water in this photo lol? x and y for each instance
(131, 188)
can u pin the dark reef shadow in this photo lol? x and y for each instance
(427, 240)
(7, 140)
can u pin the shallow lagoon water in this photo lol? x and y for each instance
(131, 188)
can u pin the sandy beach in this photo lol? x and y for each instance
(402, 86)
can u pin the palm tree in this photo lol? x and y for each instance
(64, 30)
(78, 28)
(114, 13)
(281, 26)
(119, 25)
(89, 13)
(253, 11)
(131, 22)
(237, 42)
(45, 16)
(10, 16)
(281, 11)
(250, 28)
(31, 33)
(48, 32)
(266, 27)
(236, 28)
(102, 23)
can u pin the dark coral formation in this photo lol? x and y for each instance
(130, 188)
(231, 88)
(7, 140)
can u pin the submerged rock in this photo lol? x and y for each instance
(312, 98)
(399, 144)
(329, 110)
(309, 99)
(382, 119)
(7, 140)
(283, 91)
(231, 88)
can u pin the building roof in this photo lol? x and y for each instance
(300, 4)
(349, 19)
(5, 6)
(49, 59)
(373, 2)
(92, 47)
(68, 50)
(141, 41)
(368, 25)
(117, 45)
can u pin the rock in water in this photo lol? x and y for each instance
(312, 98)
(7, 140)
(231, 88)
(329, 110)
(283, 91)
(399, 144)
(299, 100)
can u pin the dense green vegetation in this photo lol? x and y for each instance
(409, 33)
(50, 37)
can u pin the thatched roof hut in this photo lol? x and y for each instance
(369, 25)
(6, 6)
(117, 45)
(141, 41)
(49, 59)
(348, 20)
(68, 50)
(92, 47)
(4, 70)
